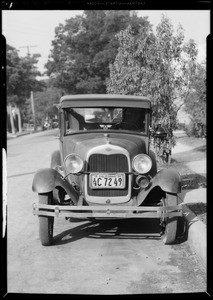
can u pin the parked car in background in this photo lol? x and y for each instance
(104, 167)
(46, 125)
(54, 123)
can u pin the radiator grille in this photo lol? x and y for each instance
(106, 164)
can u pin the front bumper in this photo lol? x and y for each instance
(100, 211)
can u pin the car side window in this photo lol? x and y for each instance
(135, 116)
(73, 121)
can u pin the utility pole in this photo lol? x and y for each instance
(28, 48)
(31, 93)
(19, 119)
(11, 119)
(33, 110)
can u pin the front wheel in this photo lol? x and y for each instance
(45, 222)
(169, 225)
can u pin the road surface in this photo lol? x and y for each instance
(111, 257)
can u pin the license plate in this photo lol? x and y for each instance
(107, 181)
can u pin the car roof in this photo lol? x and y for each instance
(99, 100)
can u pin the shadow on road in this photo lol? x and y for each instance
(117, 229)
(111, 229)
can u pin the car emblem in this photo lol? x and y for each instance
(107, 140)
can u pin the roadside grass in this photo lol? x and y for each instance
(199, 209)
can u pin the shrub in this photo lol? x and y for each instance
(196, 129)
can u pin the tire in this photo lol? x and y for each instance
(170, 224)
(45, 222)
(56, 161)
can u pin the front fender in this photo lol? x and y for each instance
(153, 170)
(168, 180)
(55, 159)
(45, 180)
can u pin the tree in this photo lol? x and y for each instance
(44, 103)
(84, 47)
(196, 103)
(21, 75)
(158, 66)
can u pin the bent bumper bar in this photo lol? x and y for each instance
(99, 211)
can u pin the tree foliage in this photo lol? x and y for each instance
(21, 76)
(196, 103)
(84, 47)
(159, 66)
(44, 103)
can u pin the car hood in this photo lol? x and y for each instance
(84, 142)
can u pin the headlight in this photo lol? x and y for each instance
(142, 163)
(73, 163)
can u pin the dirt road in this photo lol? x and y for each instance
(111, 257)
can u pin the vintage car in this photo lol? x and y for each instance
(104, 167)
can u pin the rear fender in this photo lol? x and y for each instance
(45, 180)
(168, 180)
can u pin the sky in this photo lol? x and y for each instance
(36, 29)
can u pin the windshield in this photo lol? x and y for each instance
(105, 118)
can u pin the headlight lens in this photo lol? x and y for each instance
(142, 163)
(74, 163)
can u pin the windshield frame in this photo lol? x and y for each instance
(104, 130)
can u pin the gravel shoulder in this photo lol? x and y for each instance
(189, 158)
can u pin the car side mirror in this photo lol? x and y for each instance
(151, 130)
